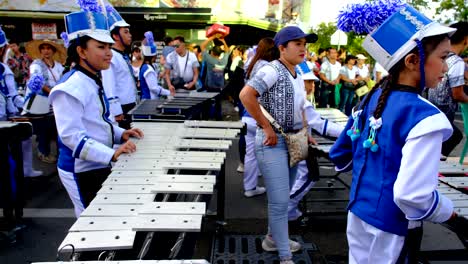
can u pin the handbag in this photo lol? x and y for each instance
(298, 145)
(362, 90)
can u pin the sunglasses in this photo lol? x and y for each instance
(176, 45)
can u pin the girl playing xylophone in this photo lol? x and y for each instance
(393, 138)
(86, 134)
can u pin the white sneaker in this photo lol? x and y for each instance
(240, 168)
(287, 261)
(33, 173)
(269, 245)
(236, 108)
(257, 191)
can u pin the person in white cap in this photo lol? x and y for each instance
(308, 174)
(119, 82)
(86, 134)
(150, 89)
(362, 70)
(393, 138)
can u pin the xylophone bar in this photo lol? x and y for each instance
(157, 223)
(192, 208)
(162, 158)
(176, 154)
(151, 165)
(132, 198)
(213, 124)
(163, 178)
(98, 241)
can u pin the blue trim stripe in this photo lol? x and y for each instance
(325, 128)
(79, 148)
(434, 205)
(78, 189)
(300, 190)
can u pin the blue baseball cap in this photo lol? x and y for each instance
(292, 33)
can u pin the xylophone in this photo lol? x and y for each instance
(160, 188)
(191, 105)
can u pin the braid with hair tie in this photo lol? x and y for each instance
(355, 132)
(386, 89)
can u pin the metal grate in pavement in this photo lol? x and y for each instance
(247, 249)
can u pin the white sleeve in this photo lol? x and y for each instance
(264, 79)
(73, 133)
(35, 68)
(108, 81)
(17, 100)
(152, 82)
(323, 126)
(415, 187)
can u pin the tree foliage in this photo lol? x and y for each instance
(458, 7)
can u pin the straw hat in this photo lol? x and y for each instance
(32, 48)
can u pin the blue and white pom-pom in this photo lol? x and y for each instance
(64, 36)
(149, 38)
(89, 5)
(362, 18)
(371, 142)
(35, 83)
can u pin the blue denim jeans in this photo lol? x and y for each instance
(347, 100)
(273, 163)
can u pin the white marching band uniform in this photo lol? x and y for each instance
(87, 135)
(10, 101)
(119, 83)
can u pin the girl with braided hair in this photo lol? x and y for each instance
(393, 139)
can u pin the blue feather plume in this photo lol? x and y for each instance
(109, 8)
(64, 36)
(362, 18)
(35, 83)
(149, 38)
(89, 5)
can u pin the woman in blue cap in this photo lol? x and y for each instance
(279, 89)
(150, 88)
(393, 139)
(86, 134)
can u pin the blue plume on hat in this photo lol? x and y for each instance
(3, 39)
(64, 36)
(109, 8)
(89, 5)
(149, 38)
(35, 83)
(362, 18)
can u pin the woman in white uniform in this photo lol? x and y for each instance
(393, 139)
(86, 134)
(149, 86)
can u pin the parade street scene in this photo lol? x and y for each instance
(233, 131)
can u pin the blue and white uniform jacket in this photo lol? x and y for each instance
(398, 182)
(150, 89)
(119, 82)
(10, 101)
(86, 134)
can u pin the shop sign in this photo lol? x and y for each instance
(155, 17)
(44, 31)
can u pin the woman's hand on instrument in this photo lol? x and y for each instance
(311, 140)
(119, 118)
(270, 136)
(127, 147)
(134, 132)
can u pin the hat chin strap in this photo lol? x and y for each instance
(422, 59)
(90, 66)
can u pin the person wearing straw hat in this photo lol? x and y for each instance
(393, 137)
(119, 82)
(86, 133)
(150, 89)
(48, 57)
(307, 174)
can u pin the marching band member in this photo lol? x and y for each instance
(393, 138)
(150, 89)
(86, 134)
(119, 83)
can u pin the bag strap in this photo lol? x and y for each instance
(185, 67)
(272, 121)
